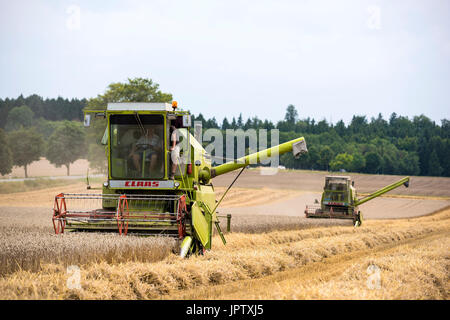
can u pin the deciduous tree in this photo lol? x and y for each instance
(342, 161)
(373, 162)
(66, 145)
(19, 117)
(27, 145)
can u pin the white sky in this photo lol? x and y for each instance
(331, 59)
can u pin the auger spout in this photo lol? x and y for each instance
(297, 146)
(404, 181)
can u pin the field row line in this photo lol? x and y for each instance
(322, 270)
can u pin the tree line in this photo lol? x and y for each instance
(397, 145)
(26, 139)
(47, 109)
(32, 127)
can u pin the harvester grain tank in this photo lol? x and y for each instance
(140, 195)
(339, 199)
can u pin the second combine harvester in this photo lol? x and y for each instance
(340, 201)
(140, 195)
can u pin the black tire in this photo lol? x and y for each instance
(357, 218)
(197, 247)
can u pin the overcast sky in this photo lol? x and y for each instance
(331, 59)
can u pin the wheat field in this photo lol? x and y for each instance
(29, 249)
(267, 256)
(412, 254)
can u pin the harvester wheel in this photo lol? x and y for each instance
(197, 247)
(357, 220)
(191, 246)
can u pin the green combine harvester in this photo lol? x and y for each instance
(339, 199)
(148, 191)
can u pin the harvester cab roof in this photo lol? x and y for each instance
(336, 182)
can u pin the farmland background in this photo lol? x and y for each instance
(397, 145)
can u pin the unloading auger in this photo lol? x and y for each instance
(140, 196)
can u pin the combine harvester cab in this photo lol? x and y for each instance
(339, 199)
(140, 195)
